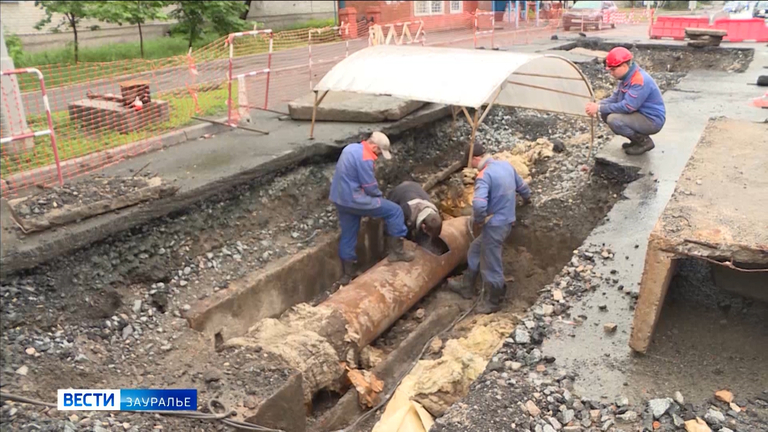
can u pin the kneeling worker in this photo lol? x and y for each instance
(494, 200)
(421, 216)
(636, 109)
(355, 192)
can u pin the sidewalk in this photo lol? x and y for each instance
(201, 168)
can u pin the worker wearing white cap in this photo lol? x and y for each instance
(355, 192)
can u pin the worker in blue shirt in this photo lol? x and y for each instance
(636, 109)
(493, 211)
(355, 192)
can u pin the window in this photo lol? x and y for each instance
(427, 8)
(456, 6)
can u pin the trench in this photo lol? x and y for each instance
(540, 245)
(306, 268)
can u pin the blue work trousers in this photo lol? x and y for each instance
(485, 254)
(349, 219)
(629, 125)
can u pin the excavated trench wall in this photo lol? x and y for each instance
(300, 278)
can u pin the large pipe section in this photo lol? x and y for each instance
(314, 340)
(373, 301)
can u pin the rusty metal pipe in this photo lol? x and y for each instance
(375, 300)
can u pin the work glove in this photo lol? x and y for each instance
(527, 201)
(468, 175)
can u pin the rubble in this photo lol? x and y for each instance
(724, 396)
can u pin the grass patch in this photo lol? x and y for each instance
(313, 23)
(153, 49)
(73, 141)
(64, 74)
(114, 60)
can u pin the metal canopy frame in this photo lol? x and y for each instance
(480, 113)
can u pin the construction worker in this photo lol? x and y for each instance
(355, 192)
(421, 216)
(636, 109)
(493, 215)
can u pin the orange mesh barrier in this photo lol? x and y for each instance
(102, 113)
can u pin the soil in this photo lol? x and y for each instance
(658, 58)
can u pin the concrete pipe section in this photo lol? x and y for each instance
(314, 340)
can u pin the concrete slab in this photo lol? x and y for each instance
(570, 55)
(588, 52)
(353, 107)
(717, 212)
(202, 168)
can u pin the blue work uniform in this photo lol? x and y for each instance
(636, 107)
(496, 187)
(355, 192)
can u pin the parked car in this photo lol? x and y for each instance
(734, 6)
(760, 10)
(588, 14)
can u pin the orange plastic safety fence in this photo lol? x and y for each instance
(106, 112)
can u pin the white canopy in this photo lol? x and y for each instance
(462, 77)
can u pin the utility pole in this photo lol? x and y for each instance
(13, 120)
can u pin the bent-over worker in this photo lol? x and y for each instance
(636, 109)
(421, 216)
(355, 192)
(493, 211)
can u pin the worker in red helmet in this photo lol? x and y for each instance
(635, 110)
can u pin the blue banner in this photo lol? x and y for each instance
(158, 399)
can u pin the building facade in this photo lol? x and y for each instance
(19, 17)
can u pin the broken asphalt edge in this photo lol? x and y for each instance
(70, 238)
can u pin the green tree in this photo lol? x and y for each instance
(15, 49)
(131, 12)
(222, 16)
(72, 12)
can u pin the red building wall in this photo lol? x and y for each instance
(399, 11)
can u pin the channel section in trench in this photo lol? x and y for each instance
(539, 246)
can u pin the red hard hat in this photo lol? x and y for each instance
(617, 56)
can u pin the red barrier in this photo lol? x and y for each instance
(739, 30)
(674, 27)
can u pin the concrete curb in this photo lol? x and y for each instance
(71, 168)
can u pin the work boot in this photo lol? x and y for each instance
(465, 288)
(348, 272)
(397, 251)
(491, 302)
(643, 145)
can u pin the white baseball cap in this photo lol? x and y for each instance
(381, 140)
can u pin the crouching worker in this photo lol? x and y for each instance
(636, 109)
(493, 215)
(421, 216)
(355, 192)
